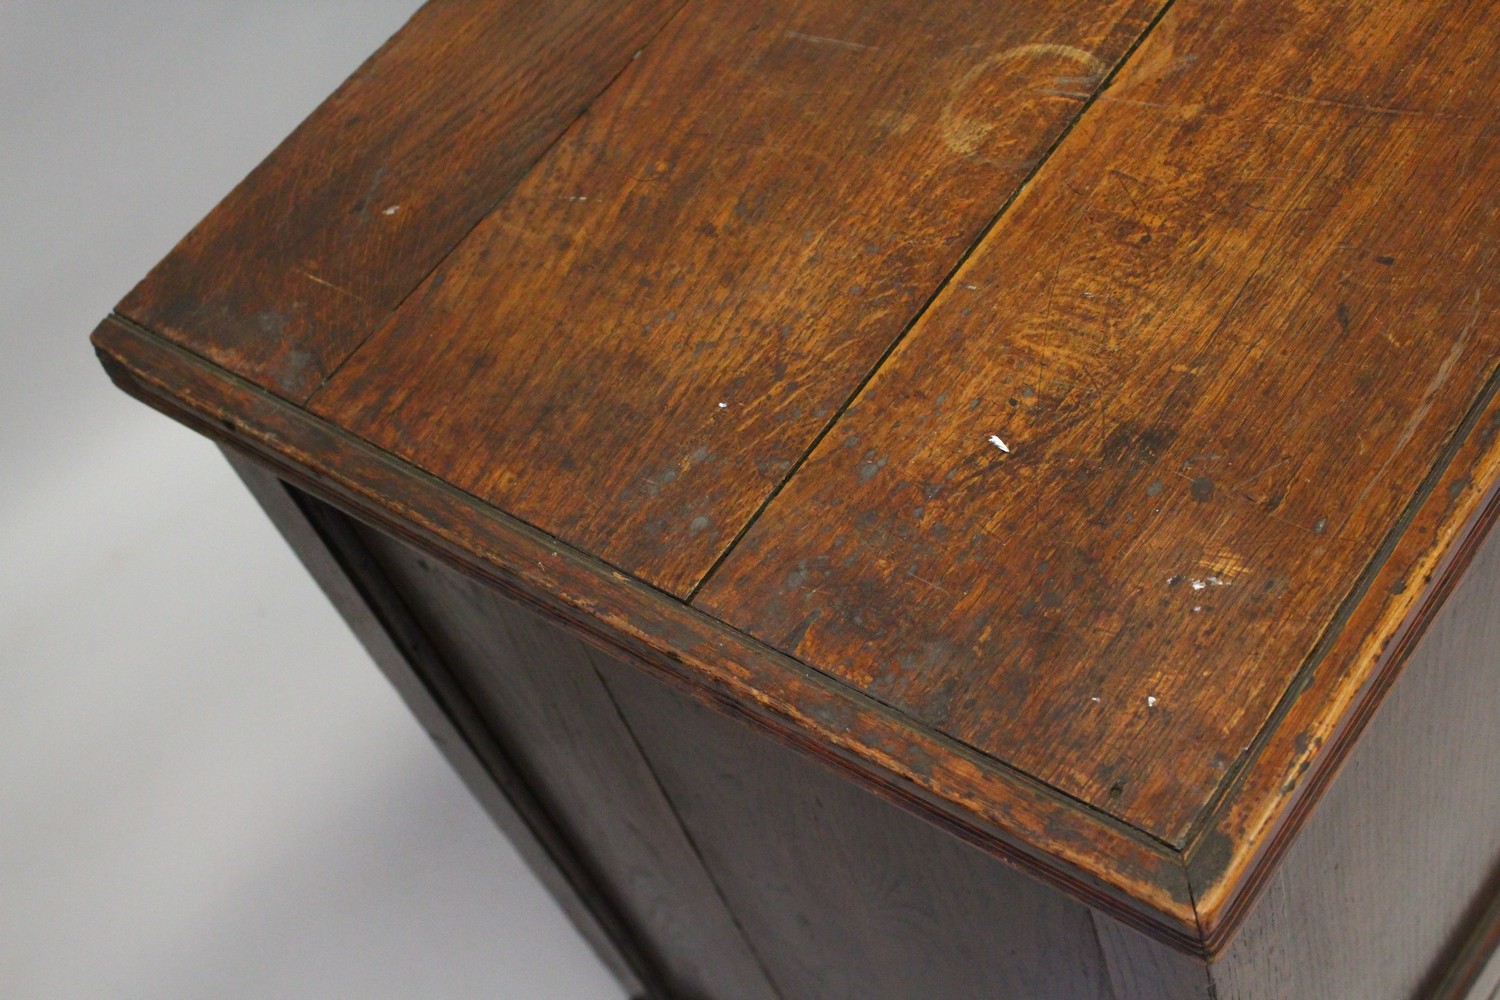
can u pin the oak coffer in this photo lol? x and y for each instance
(904, 499)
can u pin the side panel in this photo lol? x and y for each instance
(843, 894)
(323, 541)
(536, 689)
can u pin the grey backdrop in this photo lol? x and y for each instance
(205, 788)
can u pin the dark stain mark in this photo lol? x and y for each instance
(1210, 860)
(1383, 259)
(1399, 587)
(798, 634)
(1174, 581)
(1203, 489)
(1115, 791)
(1127, 443)
(1154, 490)
(1342, 312)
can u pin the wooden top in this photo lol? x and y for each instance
(1064, 417)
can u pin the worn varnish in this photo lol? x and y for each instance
(649, 332)
(1062, 421)
(1117, 868)
(326, 237)
(1224, 335)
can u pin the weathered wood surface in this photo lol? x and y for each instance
(1108, 562)
(635, 348)
(1103, 862)
(324, 239)
(1094, 859)
(1392, 890)
(1225, 334)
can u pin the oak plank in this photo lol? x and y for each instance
(331, 232)
(1225, 335)
(1080, 851)
(636, 346)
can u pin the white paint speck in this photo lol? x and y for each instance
(995, 440)
(723, 406)
(972, 288)
(1150, 701)
(1197, 607)
(578, 197)
(1094, 698)
(392, 210)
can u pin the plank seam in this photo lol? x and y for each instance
(941, 287)
(503, 197)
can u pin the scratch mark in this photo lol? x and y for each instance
(1429, 396)
(1441, 376)
(1085, 95)
(965, 133)
(328, 284)
(824, 40)
(1361, 106)
(934, 586)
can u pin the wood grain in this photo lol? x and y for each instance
(1110, 562)
(640, 342)
(1392, 889)
(1087, 855)
(844, 896)
(1393, 874)
(327, 236)
(539, 692)
(1224, 334)
(325, 545)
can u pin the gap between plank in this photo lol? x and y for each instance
(942, 286)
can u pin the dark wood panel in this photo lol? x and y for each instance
(1141, 969)
(316, 247)
(1475, 973)
(642, 340)
(845, 896)
(537, 689)
(1222, 361)
(324, 544)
